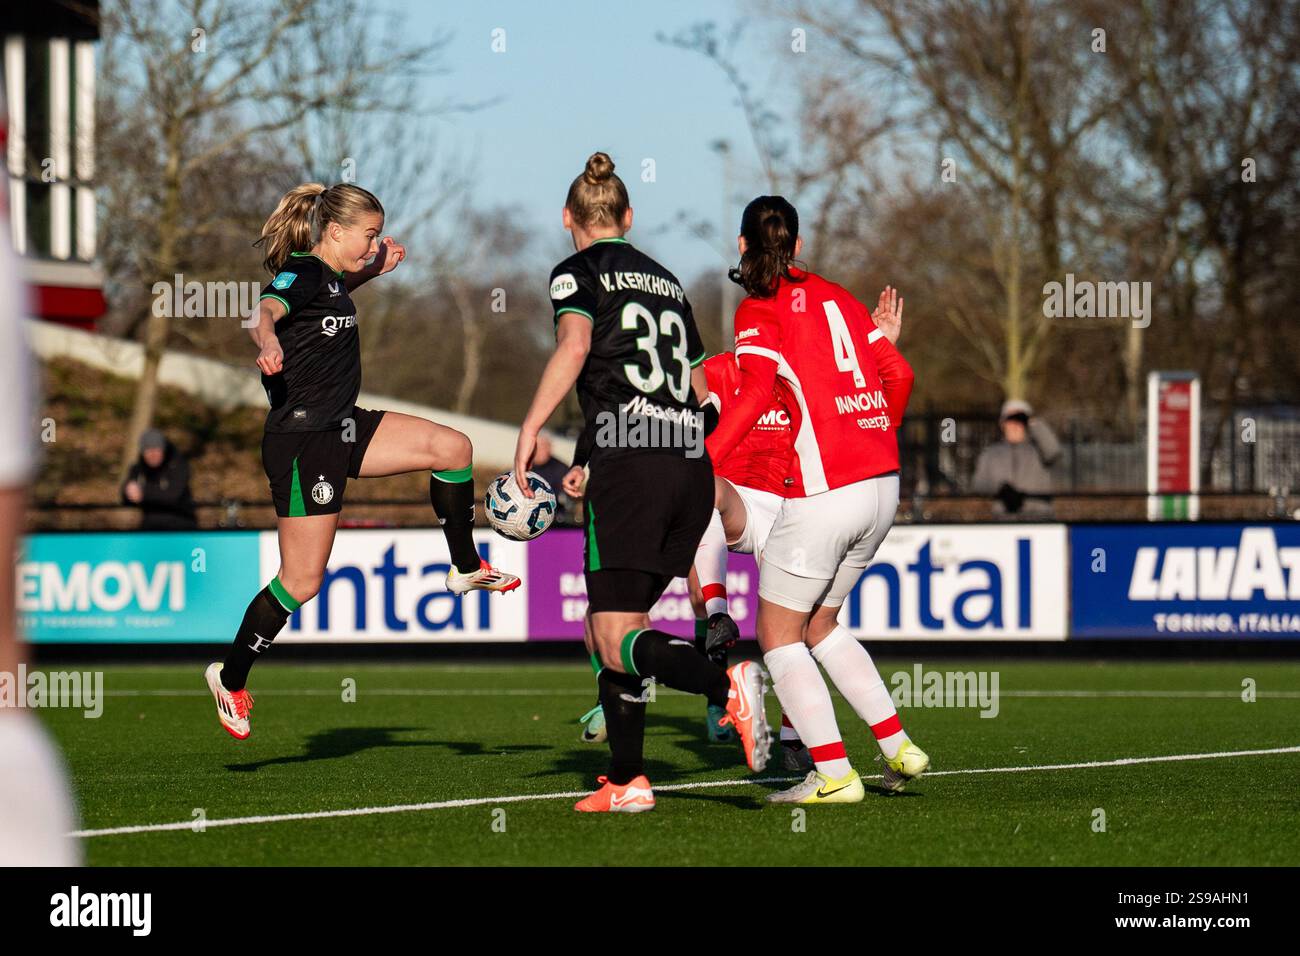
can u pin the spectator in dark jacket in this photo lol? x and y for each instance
(159, 485)
(1015, 470)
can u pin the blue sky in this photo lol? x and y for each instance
(581, 75)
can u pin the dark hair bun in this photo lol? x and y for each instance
(770, 227)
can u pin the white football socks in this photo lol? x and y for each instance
(806, 701)
(854, 674)
(711, 566)
(788, 733)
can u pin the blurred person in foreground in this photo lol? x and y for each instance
(159, 485)
(36, 811)
(1015, 470)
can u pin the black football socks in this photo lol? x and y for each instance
(675, 663)
(719, 656)
(452, 495)
(623, 699)
(264, 619)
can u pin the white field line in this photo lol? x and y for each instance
(702, 785)
(377, 691)
(350, 667)
(1193, 694)
(541, 692)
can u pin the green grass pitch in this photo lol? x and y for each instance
(434, 734)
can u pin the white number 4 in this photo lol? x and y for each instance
(846, 357)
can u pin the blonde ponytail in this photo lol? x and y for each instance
(302, 215)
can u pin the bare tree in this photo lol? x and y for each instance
(211, 82)
(1215, 140)
(707, 39)
(479, 281)
(818, 175)
(1005, 92)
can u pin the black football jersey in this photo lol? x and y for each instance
(644, 344)
(318, 385)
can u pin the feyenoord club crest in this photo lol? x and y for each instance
(323, 492)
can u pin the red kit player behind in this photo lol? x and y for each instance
(846, 387)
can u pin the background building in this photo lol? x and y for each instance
(49, 81)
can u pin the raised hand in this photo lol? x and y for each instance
(271, 357)
(888, 315)
(391, 252)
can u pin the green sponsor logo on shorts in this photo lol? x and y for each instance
(296, 507)
(593, 552)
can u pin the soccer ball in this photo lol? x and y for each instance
(513, 516)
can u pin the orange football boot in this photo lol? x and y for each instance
(632, 797)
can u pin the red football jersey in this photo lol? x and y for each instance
(761, 459)
(847, 385)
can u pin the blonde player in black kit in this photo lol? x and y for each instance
(626, 337)
(320, 245)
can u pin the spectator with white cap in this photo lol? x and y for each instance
(1016, 470)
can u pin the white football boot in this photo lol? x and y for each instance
(486, 578)
(232, 706)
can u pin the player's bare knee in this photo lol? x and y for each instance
(611, 654)
(608, 636)
(462, 450)
(448, 450)
(818, 630)
(302, 587)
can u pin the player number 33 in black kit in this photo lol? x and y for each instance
(648, 500)
(625, 336)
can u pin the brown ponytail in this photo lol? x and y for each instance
(770, 227)
(299, 219)
(598, 197)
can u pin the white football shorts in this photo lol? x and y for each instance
(761, 509)
(819, 545)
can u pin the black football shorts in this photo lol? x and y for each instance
(643, 513)
(309, 471)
